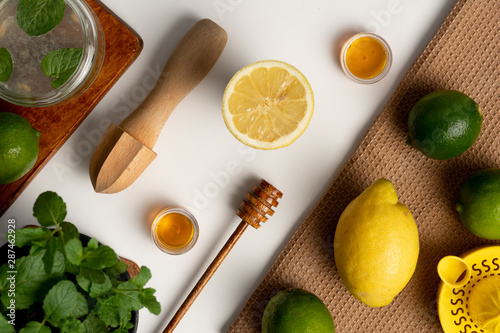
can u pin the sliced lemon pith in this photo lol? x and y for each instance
(268, 104)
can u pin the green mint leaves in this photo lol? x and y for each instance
(35, 327)
(37, 17)
(6, 64)
(5, 326)
(61, 64)
(60, 301)
(68, 283)
(49, 209)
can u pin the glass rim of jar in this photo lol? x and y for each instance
(85, 74)
(175, 250)
(343, 61)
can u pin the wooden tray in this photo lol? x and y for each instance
(464, 55)
(57, 123)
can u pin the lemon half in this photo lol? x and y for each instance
(268, 104)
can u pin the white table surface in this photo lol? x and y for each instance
(202, 167)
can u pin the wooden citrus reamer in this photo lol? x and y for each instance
(257, 204)
(125, 151)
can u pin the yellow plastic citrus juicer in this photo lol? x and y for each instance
(468, 297)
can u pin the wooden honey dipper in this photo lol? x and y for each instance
(257, 204)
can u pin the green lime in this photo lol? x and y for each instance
(479, 203)
(18, 147)
(444, 124)
(296, 311)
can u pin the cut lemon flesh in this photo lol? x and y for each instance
(268, 104)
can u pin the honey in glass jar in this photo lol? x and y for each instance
(174, 230)
(366, 58)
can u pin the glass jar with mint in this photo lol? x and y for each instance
(51, 51)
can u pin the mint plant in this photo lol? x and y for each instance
(64, 285)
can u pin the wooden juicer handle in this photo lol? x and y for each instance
(186, 67)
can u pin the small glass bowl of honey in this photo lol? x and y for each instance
(175, 230)
(366, 58)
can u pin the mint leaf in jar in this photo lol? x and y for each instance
(37, 17)
(61, 64)
(5, 64)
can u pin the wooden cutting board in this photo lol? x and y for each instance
(57, 123)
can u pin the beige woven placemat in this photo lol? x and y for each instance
(463, 55)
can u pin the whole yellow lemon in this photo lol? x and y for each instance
(376, 245)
